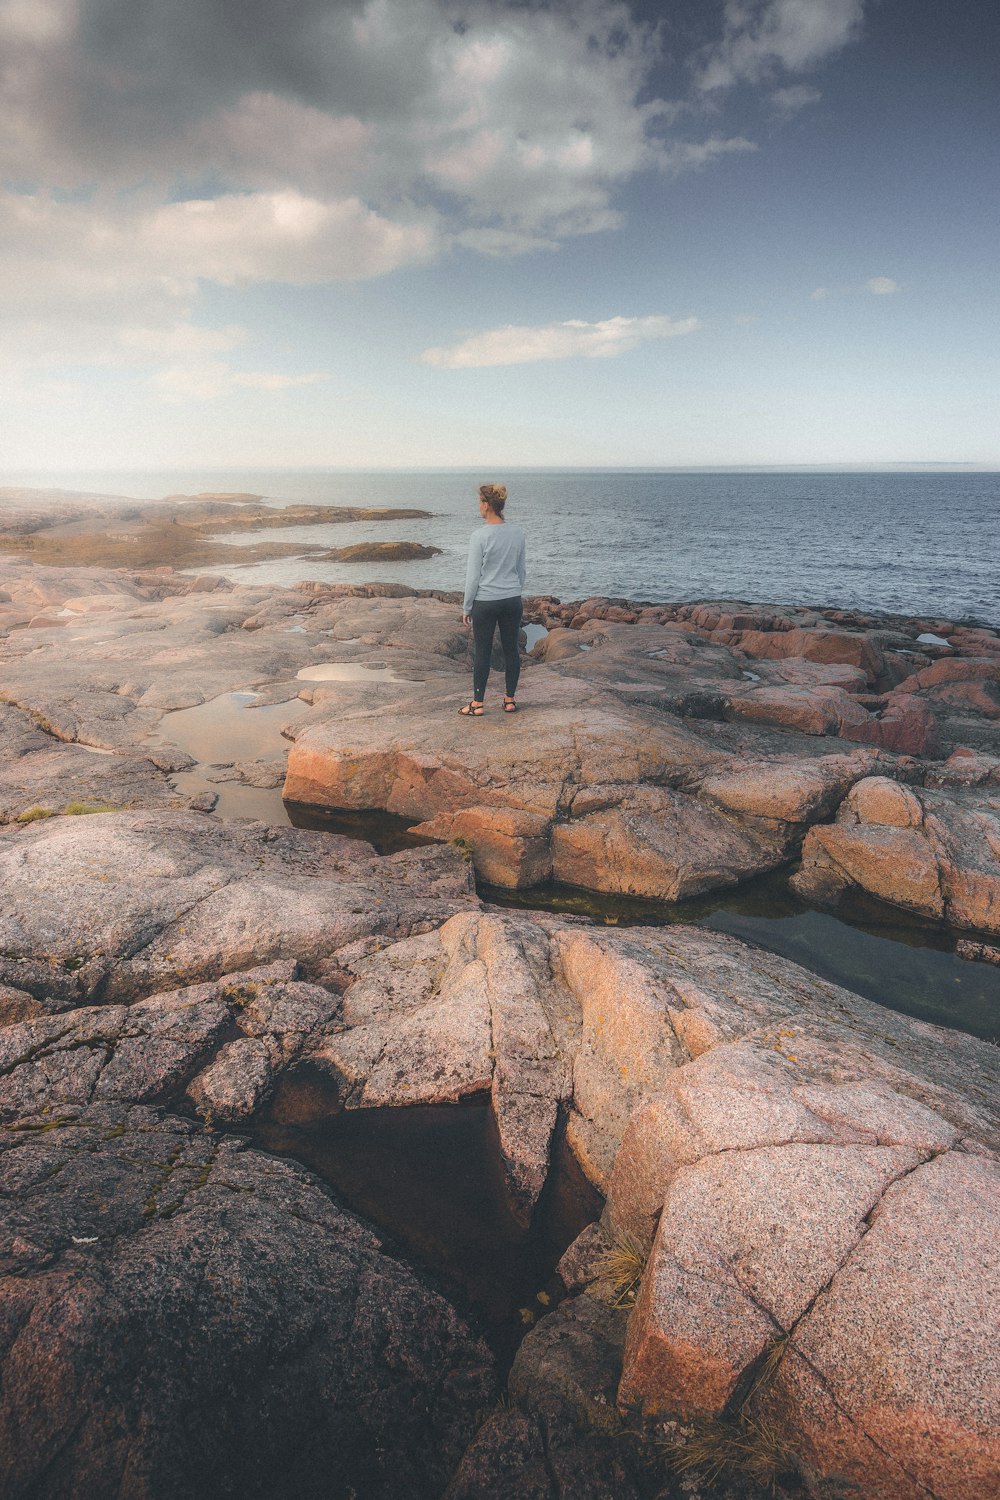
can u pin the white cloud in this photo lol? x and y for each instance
(685, 156)
(798, 96)
(820, 294)
(81, 281)
(207, 380)
(163, 148)
(182, 339)
(882, 286)
(761, 36)
(525, 117)
(575, 339)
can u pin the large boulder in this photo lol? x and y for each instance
(591, 785)
(136, 902)
(891, 1380)
(181, 1317)
(473, 1006)
(932, 851)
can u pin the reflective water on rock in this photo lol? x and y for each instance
(906, 964)
(231, 727)
(348, 671)
(431, 1176)
(384, 831)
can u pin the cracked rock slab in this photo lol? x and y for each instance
(893, 1379)
(155, 1050)
(747, 1240)
(157, 900)
(471, 1007)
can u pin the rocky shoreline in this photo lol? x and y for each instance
(793, 1281)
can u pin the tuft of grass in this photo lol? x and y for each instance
(739, 1444)
(747, 1446)
(620, 1270)
(464, 847)
(35, 814)
(81, 809)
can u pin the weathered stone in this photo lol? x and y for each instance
(933, 852)
(39, 773)
(892, 1381)
(150, 1051)
(163, 899)
(809, 710)
(470, 1007)
(660, 843)
(746, 1241)
(787, 791)
(204, 1318)
(906, 725)
(857, 650)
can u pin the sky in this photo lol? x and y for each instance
(432, 233)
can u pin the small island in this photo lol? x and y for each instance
(181, 531)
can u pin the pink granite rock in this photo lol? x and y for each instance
(936, 852)
(905, 725)
(746, 1242)
(809, 710)
(856, 650)
(892, 1380)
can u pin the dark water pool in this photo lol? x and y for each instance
(902, 962)
(866, 946)
(431, 1177)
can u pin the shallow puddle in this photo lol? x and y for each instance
(905, 964)
(431, 1177)
(349, 671)
(234, 799)
(231, 727)
(384, 831)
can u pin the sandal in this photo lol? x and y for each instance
(472, 709)
(509, 706)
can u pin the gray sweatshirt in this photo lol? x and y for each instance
(496, 564)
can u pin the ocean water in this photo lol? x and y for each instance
(902, 542)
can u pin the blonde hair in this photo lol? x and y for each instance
(495, 496)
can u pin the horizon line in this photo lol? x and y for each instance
(900, 465)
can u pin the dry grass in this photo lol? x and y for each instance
(746, 1446)
(621, 1269)
(751, 1446)
(35, 814)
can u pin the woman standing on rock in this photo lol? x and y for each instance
(493, 583)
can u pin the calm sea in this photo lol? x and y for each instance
(908, 543)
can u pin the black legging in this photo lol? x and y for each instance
(487, 614)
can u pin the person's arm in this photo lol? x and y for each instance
(472, 572)
(520, 563)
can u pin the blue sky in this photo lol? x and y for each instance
(417, 232)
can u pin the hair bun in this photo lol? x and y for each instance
(494, 495)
